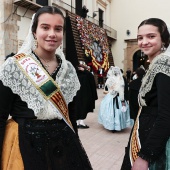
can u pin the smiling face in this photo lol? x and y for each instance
(49, 32)
(149, 40)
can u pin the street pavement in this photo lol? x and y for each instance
(104, 148)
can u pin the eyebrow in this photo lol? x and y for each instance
(148, 34)
(49, 25)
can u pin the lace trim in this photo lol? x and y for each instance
(160, 64)
(116, 85)
(12, 77)
(115, 82)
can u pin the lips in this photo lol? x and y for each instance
(146, 48)
(51, 41)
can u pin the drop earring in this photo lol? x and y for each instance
(163, 48)
(35, 43)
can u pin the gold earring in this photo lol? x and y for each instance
(35, 43)
(163, 48)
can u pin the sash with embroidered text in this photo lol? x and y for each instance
(42, 81)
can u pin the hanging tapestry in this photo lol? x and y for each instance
(95, 44)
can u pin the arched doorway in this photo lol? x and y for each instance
(139, 59)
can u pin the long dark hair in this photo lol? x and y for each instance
(162, 28)
(46, 9)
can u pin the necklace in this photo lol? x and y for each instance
(46, 65)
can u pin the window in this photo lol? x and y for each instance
(100, 18)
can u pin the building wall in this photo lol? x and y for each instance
(23, 23)
(120, 15)
(13, 28)
(8, 29)
(16, 27)
(2, 32)
(127, 15)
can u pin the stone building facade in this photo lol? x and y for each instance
(8, 29)
(16, 16)
(121, 16)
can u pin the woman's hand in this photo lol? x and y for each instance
(140, 164)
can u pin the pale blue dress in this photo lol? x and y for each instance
(111, 117)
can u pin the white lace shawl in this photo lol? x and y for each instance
(13, 77)
(160, 64)
(115, 82)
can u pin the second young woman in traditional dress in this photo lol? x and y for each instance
(149, 145)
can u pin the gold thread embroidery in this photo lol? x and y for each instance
(135, 142)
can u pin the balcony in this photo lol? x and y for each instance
(110, 31)
(27, 4)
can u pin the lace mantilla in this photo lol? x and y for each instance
(115, 82)
(13, 77)
(160, 64)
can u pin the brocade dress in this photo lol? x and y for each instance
(111, 114)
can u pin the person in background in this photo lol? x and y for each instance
(128, 75)
(126, 91)
(149, 144)
(38, 90)
(86, 96)
(100, 74)
(84, 11)
(134, 87)
(114, 111)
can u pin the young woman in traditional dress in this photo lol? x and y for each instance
(37, 89)
(149, 146)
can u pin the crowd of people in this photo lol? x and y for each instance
(45, 100)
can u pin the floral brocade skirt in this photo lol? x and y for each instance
(42, 145)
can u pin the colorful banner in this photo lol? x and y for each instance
(95, 44)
